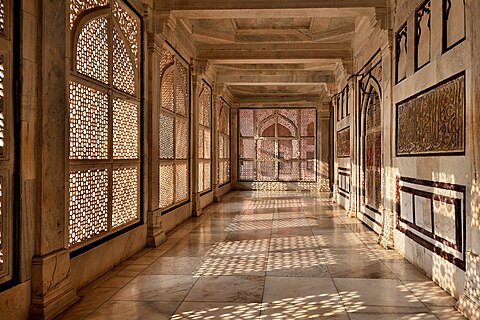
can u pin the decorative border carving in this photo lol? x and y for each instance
(450, 194)
(423, 12)
(343, 143)
(433, 121)
(343, 178)
(446, 13)
(401, 33)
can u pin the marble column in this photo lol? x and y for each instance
(352, 102)
(198, 69)
(155, 231)
(216, 106)
(469, 302)
(388, 120)
(52, 289)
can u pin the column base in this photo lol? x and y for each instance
(155, 233)
(469, 302)
(197, 206)
(385, 242)
(52, 289)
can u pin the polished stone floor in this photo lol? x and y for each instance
(266, 255)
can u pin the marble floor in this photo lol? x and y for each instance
(266, 255)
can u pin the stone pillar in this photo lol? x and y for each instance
(323, 147)
(334, 105)
(389, 175)
(352, 102)
(216, 106)
(155, 232)
(469, 302)
(198, 69)
(234, 145)
(52, 289)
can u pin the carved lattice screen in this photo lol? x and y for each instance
(373, 152)
(104, 120)
(174, 124)
(6, 143)
(277, 144)
(224, 144)
(205, 139)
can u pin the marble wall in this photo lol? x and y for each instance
(426, 205)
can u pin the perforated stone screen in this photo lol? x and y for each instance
(277, 145)
(104, 120)
(174, 124)
(7, 143)
(224, 144)
(204, 138)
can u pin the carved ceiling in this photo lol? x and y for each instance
(273, 49)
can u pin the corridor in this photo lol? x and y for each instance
(266, 255)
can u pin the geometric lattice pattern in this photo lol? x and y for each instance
(79, 6)
(125, 196)
(166, 136)
(174, 130)
(2, 17)
(182, 182)
(125, 129)
(373, 152)
(92, 45)
(130, 27)
(104, 120)
(2, 104)
(204, 138)
(88, 123)
(123, 74)
(224, 144)
(167, 185)
(88, 204)
(277, 144)
(2, 216)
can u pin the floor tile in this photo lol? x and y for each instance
(160, 288)
(217, 310)
(135, 310)
(266, 255)
(227, 289)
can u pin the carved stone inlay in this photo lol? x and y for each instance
(433, 122)
(454, 23)
(343, 143)
(401, 53)
(423, 35)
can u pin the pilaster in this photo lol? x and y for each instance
(52, 289)
(155, 232)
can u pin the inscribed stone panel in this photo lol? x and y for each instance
(343, 143)
(433, 122)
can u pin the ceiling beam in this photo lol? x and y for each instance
(266, 4)
(288, 52)
(269, 13)
(275, 77)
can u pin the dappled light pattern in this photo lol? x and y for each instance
(279, 255)
(243, 311)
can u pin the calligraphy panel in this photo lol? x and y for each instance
(433, 122)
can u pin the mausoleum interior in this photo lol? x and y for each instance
(255, 159)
